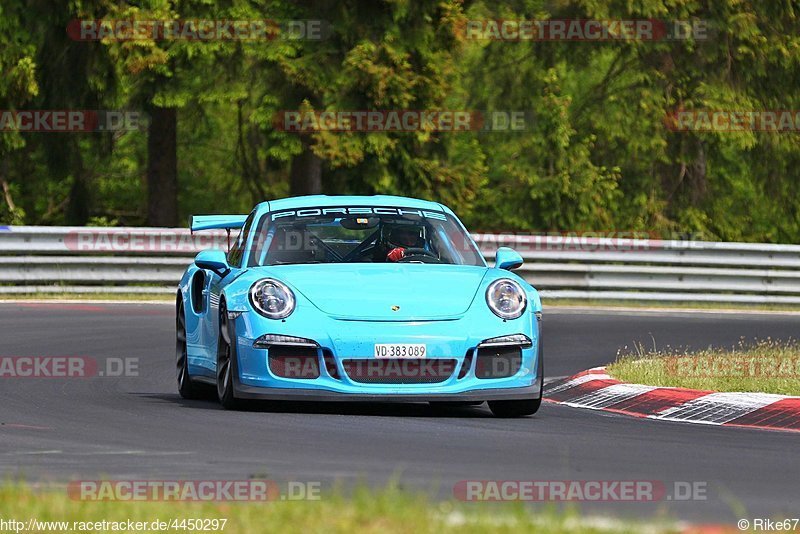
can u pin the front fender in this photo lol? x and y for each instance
(237, 292)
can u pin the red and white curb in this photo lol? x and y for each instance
(596, 390)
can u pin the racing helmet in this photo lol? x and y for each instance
(406, 236)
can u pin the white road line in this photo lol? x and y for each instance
(31, 453)
(101, 453)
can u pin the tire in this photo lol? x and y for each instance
(225, 363)
(515, 408)
(187, 389)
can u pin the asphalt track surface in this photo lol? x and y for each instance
(139, 428)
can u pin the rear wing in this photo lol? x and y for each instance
(216, 222)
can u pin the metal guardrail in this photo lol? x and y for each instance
(151, 260)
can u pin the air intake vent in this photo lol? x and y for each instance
(293, 362)
(498, 362)
(407, 371)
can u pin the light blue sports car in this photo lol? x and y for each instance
(357, 298)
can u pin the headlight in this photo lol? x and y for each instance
(506, 298)
(272, 298)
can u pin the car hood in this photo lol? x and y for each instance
(386, 292)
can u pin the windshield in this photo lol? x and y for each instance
(361, 235)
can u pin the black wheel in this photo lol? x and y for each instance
(186, 388)
(454, 404)
(225, 362)
(515, 408)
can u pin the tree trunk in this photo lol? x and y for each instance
(162, 168)
(77, 212)
(306, 174)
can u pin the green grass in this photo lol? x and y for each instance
(765, 366)
(364, 510)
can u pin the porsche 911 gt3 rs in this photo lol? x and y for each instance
(357, 298)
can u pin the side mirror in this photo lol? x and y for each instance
(213, 260)
(507, 258)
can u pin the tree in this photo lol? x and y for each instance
(17, 87)
(377, 56)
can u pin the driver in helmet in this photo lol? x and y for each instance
(402, 238)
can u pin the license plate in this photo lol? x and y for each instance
(400, 350)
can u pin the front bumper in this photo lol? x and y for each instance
(453, 340)
(318, 395)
